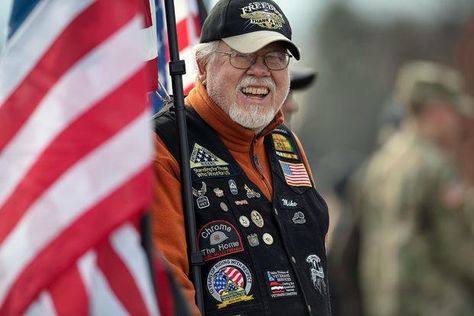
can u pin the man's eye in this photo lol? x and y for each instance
(241, 58)
(275, 56)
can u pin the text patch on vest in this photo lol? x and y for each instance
(206, 164)
(219, 238)
(281, 284)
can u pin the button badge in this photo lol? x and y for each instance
(267, 238)
(257, 219)
(244, 221)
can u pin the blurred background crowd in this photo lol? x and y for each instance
(391, 145)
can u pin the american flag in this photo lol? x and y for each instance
(201, 157)
(220, 282)
(234, 275)
(276, 287)
(75, 156)
(204, 156)
(295, 174)
(151, 43)
(228, 279)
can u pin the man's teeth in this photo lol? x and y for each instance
(251, 90)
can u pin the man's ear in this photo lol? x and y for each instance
(202, 71)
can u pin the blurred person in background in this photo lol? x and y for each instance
(465, 60)
(416, 211)
(466, 150)
(299, 80)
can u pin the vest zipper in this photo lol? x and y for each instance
(256, 164)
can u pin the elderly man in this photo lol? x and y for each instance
(261, 224)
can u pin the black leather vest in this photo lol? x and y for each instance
(261, 257)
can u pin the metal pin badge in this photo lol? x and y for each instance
(218, 192)
(298, 218)
(244, 221)
(251, 193)
(241, 202)
(224, 206)
(267, 238)
(257, 219)
(253, 240)
(202, 201)
(233, 187)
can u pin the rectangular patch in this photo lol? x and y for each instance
(295, 174)
(279, 130)
(212, 172)
(287, 155)
(282, 143)
(280, 284)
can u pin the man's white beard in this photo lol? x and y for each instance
(253, 117)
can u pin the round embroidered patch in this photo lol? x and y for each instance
(229, 281)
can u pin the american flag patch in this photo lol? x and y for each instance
(295, 174)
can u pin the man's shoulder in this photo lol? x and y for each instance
(164, 116)
(164, 122)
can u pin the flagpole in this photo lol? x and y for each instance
(177, 69)
(202, 11)
(147, 244)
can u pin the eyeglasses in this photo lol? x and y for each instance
(273, 60)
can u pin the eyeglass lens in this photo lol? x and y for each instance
(274, 61)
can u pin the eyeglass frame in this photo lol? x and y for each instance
(254, 58)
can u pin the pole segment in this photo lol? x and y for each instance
(177, 69)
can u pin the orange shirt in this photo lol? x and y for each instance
(167, 211)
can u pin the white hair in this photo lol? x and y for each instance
(203, 53)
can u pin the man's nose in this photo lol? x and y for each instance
(259, 69)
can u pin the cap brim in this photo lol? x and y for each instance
(466, 105)
(300, 79)
(251, 42)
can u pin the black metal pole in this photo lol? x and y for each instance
(177, 69)
(147, 244)
(202, 11)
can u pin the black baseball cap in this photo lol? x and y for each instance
(247, 26)
(301, 78)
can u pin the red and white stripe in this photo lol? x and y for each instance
(295, 174)
(235, 275)
(151, 44)
(75, 156)
(95, 285)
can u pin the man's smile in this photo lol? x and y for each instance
(259, 92)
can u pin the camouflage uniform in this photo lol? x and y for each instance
(417, 231)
